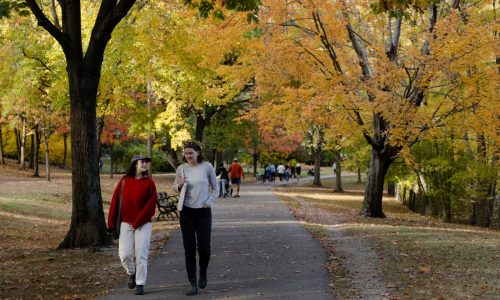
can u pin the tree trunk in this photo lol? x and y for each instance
(23, 143)
(219, 158)
(111, 160)
(201, 123)
(338, 173)
(172, 159)
(18, 144)
(46, 141)
(359, 175)
(100, 127)
(31, 165)
(87, 226)
(372, 202)
(495, 214)
(65, 153)
(84, 70)
(150, 154)
(317, 164)
(36, 150)
(255, 156)
(2, 159)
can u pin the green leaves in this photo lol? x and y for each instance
(8, 6)
(208, 8)
(399, 6)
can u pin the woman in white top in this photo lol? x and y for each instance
(196, 215)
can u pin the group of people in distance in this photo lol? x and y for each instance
(234, 174)
(135, 202)
(283, 172)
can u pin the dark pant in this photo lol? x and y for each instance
(196, 227)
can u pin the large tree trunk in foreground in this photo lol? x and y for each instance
(87, 217)
(372, 202)
(84, 71)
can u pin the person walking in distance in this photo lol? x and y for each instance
(196, 214)
(236, 174)
(137, 207)
(222, 179)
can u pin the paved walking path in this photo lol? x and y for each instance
(259, 251)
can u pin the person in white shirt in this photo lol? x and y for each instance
(281, 171)
(196, 215)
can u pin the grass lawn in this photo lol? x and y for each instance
(420, 257)
(34, 218)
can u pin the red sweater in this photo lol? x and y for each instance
(235, 171)
(138, 202)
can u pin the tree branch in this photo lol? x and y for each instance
(36, 58)
(44, 22)
(326, 43)
(110, 14)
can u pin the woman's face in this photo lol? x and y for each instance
(191, 155)
(142, 166)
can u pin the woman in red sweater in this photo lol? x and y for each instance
(137, 208)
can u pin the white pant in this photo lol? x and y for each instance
(222, 187)
(135, 241)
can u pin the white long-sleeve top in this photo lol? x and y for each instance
(202, 188)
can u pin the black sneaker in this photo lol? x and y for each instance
(131, 281)
(203, 281)
(193, 290)
(139, 290)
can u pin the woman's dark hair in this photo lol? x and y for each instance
(195, 147)
(132, 168)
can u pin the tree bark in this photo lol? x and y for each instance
(23, 143)
(255, 157)
(150, 154)
(100, 127)
(2, 159)
(46, 133)
(18, 144)
(317, 165)
(372, 202)
(65, 153)
(87, 226)
(36, 150)
(338, 173)
(172, 159)
(32, 152)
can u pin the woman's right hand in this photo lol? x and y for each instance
(180, 182)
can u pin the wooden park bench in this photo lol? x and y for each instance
(167, 205)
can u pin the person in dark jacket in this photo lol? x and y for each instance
(222, 179)
(137, 208)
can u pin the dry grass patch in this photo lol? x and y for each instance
(34, 218)
(420, 257)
